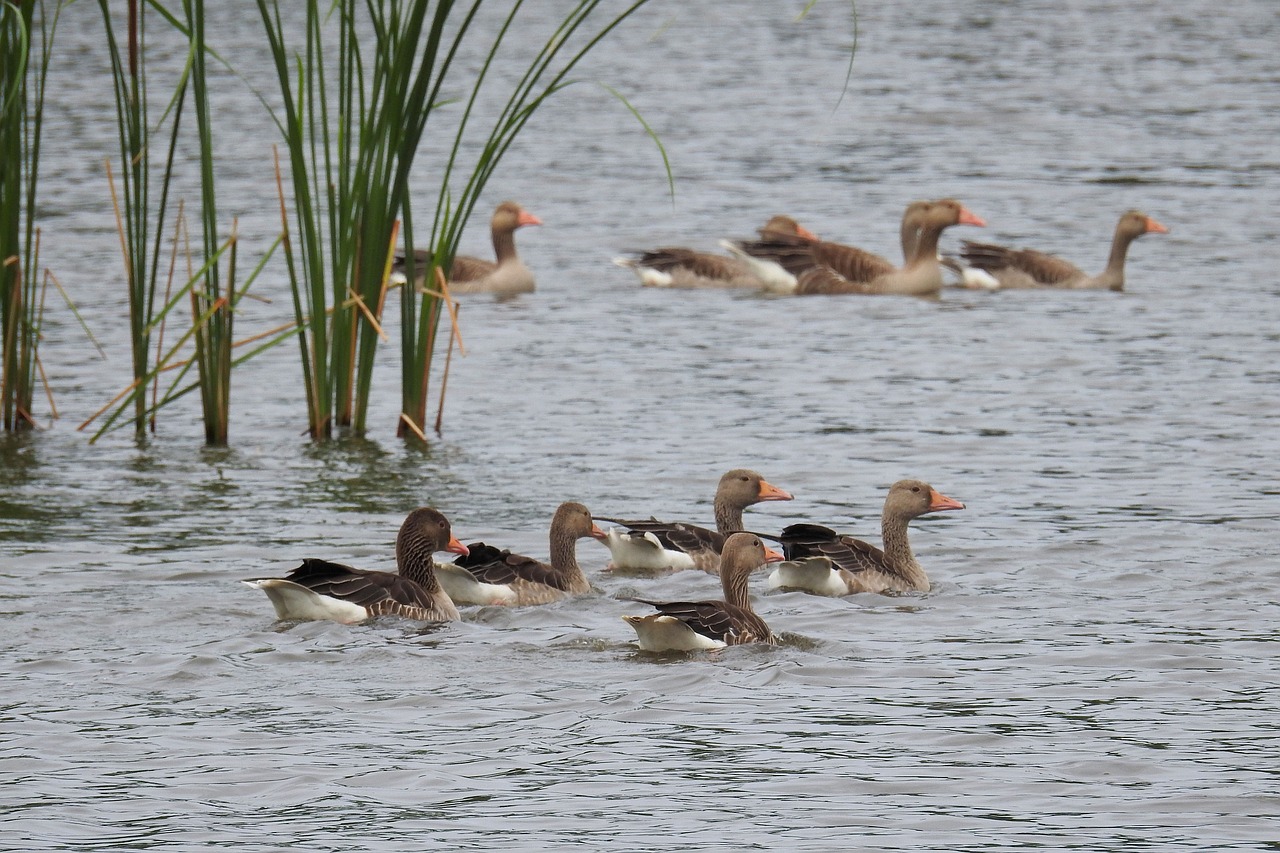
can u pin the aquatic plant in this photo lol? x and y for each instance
(212, 303)
(350, 174)
(141, 217)
(22, 89)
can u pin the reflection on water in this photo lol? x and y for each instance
(1086, 672)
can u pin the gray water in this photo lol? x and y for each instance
(1095, 666)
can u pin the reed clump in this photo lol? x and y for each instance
(349, 171)
(22, 89)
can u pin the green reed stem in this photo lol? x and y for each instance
(545, 75)
(142, 215)
(212, 301)
(22, 89)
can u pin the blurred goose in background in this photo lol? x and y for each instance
(319, 589)
(489, 575)
(1027, 268)
(970, 278)
(824, 562)
(506, 276)
(678, 267)
(821, 267)
(656, 545)
(682, 626)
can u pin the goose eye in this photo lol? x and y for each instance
(915, 489)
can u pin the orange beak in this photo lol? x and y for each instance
(597, 533)
(527, 218)
(456, 547)
(770, 492)
(1154, 227)
(939, 502)
(968, 217)
(772, 556)
(801, 231)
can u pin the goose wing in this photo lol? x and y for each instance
(493, 565)
(367, 589)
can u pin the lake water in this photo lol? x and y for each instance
(1095, 667)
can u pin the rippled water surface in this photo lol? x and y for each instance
(1095, 666)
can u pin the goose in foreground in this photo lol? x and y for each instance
(489, 575)
(1024, 268)
(506, 276)
(656, 545)
(319, 589)
(821, 267)
(684, 626)
(678, 267)
(824, 562)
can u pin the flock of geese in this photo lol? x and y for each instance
(814, 559)
(790, 259)
(787, 259)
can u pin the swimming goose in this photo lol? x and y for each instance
(319, 589)
(821, 267)
(1023, 268)
(824, 562)
(489, 575)
(682, 626)
(970, 278)
(678, 267)
(505, 276)
(655, 545)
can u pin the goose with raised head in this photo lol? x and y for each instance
(319, 589)
(490, 575)
(654, 545)
(821, 267)
(679, 267)
(1028, 268)
(920, 274)
(824, 562)
(507, 275)
(684, 626)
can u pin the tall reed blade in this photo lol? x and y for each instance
(140, 216)
(22, 88)
(214, 337)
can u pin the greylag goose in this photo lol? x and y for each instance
(970, 278)
(678, 267)
(655, 545)
(506, 276)
(1023, 268)
(799, 259)
(828, 268)
(684, 626)
(319, 589)
(909, 230)
(824, 562)
(489, 575)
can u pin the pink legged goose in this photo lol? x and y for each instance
(654, 545)
(1027, 268)
(824, 562)
(506, 276)
(830, 268)
(319, 589)
(678, 267)
(685, 626)
(489, 575)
